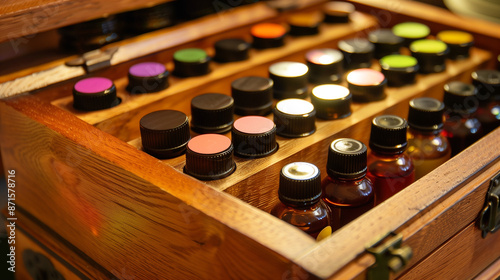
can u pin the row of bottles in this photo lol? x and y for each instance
(400, 152)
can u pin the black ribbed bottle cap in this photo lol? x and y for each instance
(325, 66)
(294, 118)
(388, 134)
(331, 101)
(385, 42)
(209, 157)
(304, 24)
(212, 113)
(425, 113)
(338, 11)
(96, 93)
(358, 52)
(147, 77)
(431, 55)
(460, 98)
(165, 133)
(300, 184)
(232, 49)
(290, 79)
(191, 62)
(366, 85)
(268, 35)
(254, 136)
(346, 159)
(252, 96)
(487, 83)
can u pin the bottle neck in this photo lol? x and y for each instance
(300, 205)
(348, 177)
(414, 131)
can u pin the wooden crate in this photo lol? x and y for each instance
(88, 193)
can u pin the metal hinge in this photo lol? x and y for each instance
(94, 60)
(489, 220)
(389, 256)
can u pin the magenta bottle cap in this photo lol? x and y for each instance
(254, 136)
(147, 77)
(209, 157)
(366, 85)
(94, 93)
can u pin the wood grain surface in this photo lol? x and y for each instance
(462, 257)
(145, 217)
(27, 17)
(84, 178)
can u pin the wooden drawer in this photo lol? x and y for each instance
(83, 180)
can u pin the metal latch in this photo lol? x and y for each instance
(389, 256)
(94, 60)
(489, 220)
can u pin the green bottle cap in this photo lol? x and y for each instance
(412, 30)
(398, 61)
(428, 46)
(190, 55)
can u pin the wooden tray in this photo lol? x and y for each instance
(87, 191)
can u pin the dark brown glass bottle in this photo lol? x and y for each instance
(389, 167)
(346, 189)
(300, 198)
(460, 125)
(427, 146)
(487, 83)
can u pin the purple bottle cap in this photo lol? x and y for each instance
(147, 69)
(147, 77)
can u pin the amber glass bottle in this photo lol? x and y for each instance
(427, 146)
(460, 125)
(300, 198)
(346, 189)
(389, 168)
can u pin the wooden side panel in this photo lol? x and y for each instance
(154, 222)
(28, 17)
(491, 272)
(462, 257)
(33, 260)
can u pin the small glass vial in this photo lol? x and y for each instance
(487, 83)
(427, 145)
(461, 127)
(346, 189)
(300, 198)
(389, 167)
